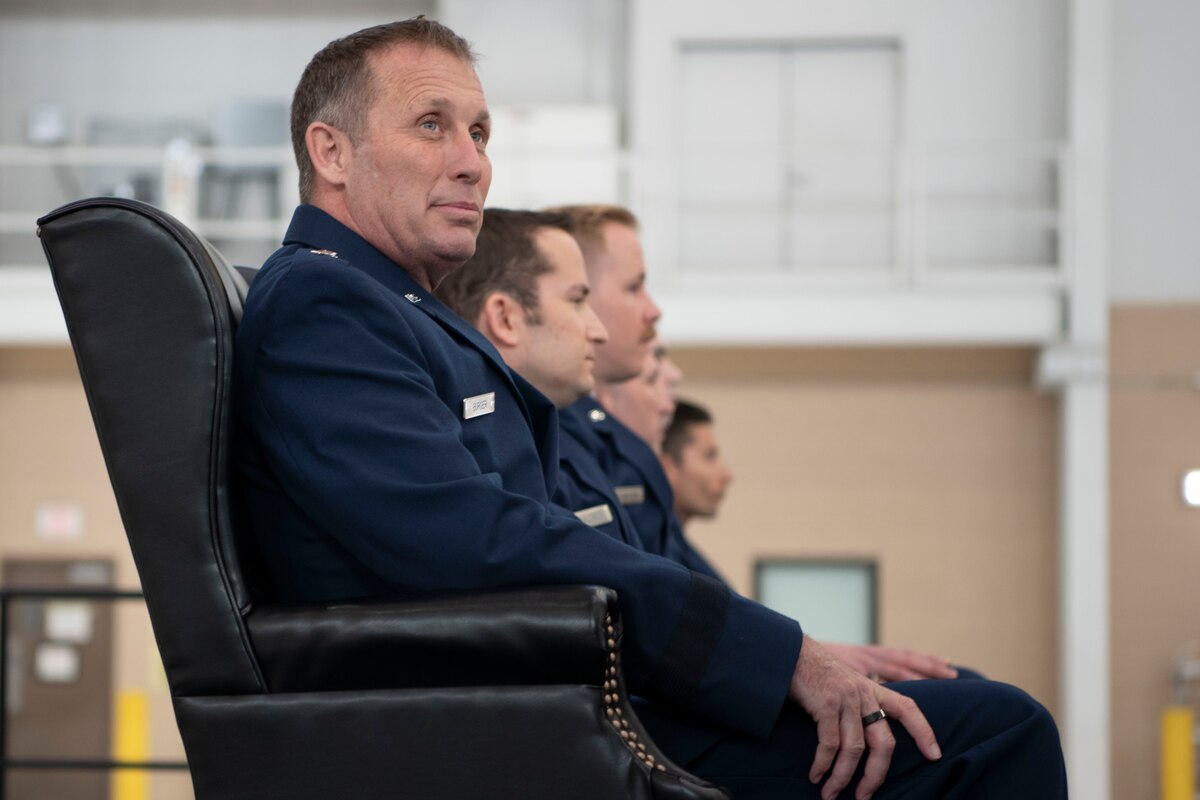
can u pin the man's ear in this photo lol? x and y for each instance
(330, 151)
(669, 467)
(502, 320)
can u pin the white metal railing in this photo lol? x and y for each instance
(178, 167)
(989, 214)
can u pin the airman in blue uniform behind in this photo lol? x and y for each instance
(385, 448)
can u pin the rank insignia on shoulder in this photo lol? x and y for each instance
(596, 415)
(596, 515)
(412, 298)
(631, 495)
(329, 253)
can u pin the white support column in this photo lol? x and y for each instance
(1084, 674)
(1084, 658)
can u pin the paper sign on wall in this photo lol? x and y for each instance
(59, 522)
(56, 663)
(69, 621)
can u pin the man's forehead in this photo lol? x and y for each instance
(421, 71)
(620, 262)
(561, 252)
(700, 435)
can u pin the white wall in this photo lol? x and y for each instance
(154, 68)
(983, 69)
(1155, 152)
(544, 51)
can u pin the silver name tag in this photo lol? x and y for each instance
(479, 405)
(631, 495)
(596, 515)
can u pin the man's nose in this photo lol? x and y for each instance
(653, 312)
(466, 162)
(597, 333)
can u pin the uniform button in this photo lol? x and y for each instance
(596, 415)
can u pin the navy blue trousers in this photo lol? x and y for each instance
(998, 743)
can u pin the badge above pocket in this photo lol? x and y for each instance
(631, 495)
(479, 405)
(596, 515)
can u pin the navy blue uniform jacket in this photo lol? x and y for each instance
(368, 470)
(596, 443)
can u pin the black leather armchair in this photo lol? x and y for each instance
(516, 694)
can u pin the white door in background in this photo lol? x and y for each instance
(787, 157)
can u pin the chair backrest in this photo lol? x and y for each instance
(151, 308)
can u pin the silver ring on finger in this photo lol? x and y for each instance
(873, 717)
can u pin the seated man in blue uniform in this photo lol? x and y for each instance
(690, 456)
(526, 291)
(646, 402)
(385, 449)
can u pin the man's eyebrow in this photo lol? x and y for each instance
(440, 102)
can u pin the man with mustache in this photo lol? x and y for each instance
(385, 449)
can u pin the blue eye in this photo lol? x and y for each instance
(429, 125)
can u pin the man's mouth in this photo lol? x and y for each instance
(464, 207)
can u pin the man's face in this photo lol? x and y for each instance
(623, 305)
(559, 351)
(700, 477)
(417, 179)
(672, 375)
(644, 403)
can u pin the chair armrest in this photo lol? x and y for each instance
(546, 635)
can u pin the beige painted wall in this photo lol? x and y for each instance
(49, 454)
(1155, 429)
(940, 464)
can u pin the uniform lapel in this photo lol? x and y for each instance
(637, 453)
(312, 227)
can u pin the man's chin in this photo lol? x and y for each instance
(610, 373)
(456, 251)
